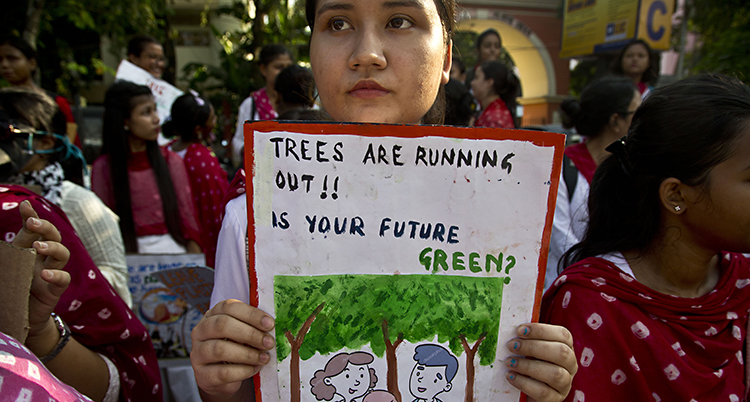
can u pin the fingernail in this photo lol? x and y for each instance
(265, 357)
(268, 342)
(516, 345)
(42, 245)
(267, 322)
(525, 331)
(513, 363)
(36, 222)
(47, 274)
(511, 376)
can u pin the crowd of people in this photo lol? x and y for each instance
(647, 292)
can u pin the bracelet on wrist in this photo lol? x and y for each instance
(64, 338)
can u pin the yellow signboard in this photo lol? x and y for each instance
(595, 26)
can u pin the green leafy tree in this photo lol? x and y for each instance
(724, 29)
(382, 311)
(67, 34)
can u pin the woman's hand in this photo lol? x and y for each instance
(229, 346)
(49, 281)
(548, 375)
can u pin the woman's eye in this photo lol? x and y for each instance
(400, 23)
(339, 25)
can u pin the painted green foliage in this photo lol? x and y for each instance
(415, 307)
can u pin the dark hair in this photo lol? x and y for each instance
(447, 11)
(137, 44)
(599, 100)
(506, 85)
(682, 130)
(119, 102)
(294, 86)
(269, 53)
(485, 34)
(650, 75)
(459, 109)
(19, 44)
(188, 112)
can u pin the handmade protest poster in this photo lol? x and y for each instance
(170, 294)
(397, 260)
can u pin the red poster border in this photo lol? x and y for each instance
(539, 138)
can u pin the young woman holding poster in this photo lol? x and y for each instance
(659, 307)
(384, 62)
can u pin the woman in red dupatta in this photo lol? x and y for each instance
(657, 298)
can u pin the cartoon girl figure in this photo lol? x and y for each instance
(347, 377)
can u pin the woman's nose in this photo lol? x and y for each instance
(368, 51)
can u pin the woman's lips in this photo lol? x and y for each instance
(368, 90)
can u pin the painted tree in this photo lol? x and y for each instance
(384, 310)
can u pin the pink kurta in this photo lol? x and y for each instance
(148, 212)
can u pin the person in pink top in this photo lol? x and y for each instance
(192, 121)
(259, 105)
(147, 186)
(495, 86)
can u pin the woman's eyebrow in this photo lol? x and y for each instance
(334, 7)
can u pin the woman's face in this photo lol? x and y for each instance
(489, 49)
(351, 383)
(151, 59)
(481, 86)
(271, 70)
(635, 60)
(721, 219)
(144, 121)
(377, 60)
(14, 66)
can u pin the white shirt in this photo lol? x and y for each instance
(231, 277)
(570, 224)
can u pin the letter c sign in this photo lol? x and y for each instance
(657, 6)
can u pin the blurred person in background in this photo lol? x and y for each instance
(637, 62)
(192, 121)
(145, 184)
(147, 53)
(50, 160)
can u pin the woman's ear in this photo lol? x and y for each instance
(613, 121)
(673, 196)
(447, 63)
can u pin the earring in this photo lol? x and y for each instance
(126, 128)
(677, 208)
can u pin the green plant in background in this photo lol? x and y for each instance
(324, 314)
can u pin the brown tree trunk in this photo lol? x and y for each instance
(471, 352)
(390, 358)
(33, 16)
(295, 343)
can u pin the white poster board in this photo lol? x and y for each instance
(396, 253)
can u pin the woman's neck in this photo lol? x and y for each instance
(28, 83)
(136, 144)
(597, 145)
(676, 266)
(487, 100)
(179, 145)
(636, 78)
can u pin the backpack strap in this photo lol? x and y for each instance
(570, 175)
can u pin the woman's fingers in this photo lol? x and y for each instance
(239, 322)
(225, 351)
(549, 374)
(56, 254)
(34, 228)
(57, 281)
(540, 380)
(223, 378)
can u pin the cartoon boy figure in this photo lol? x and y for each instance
(433, 372)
